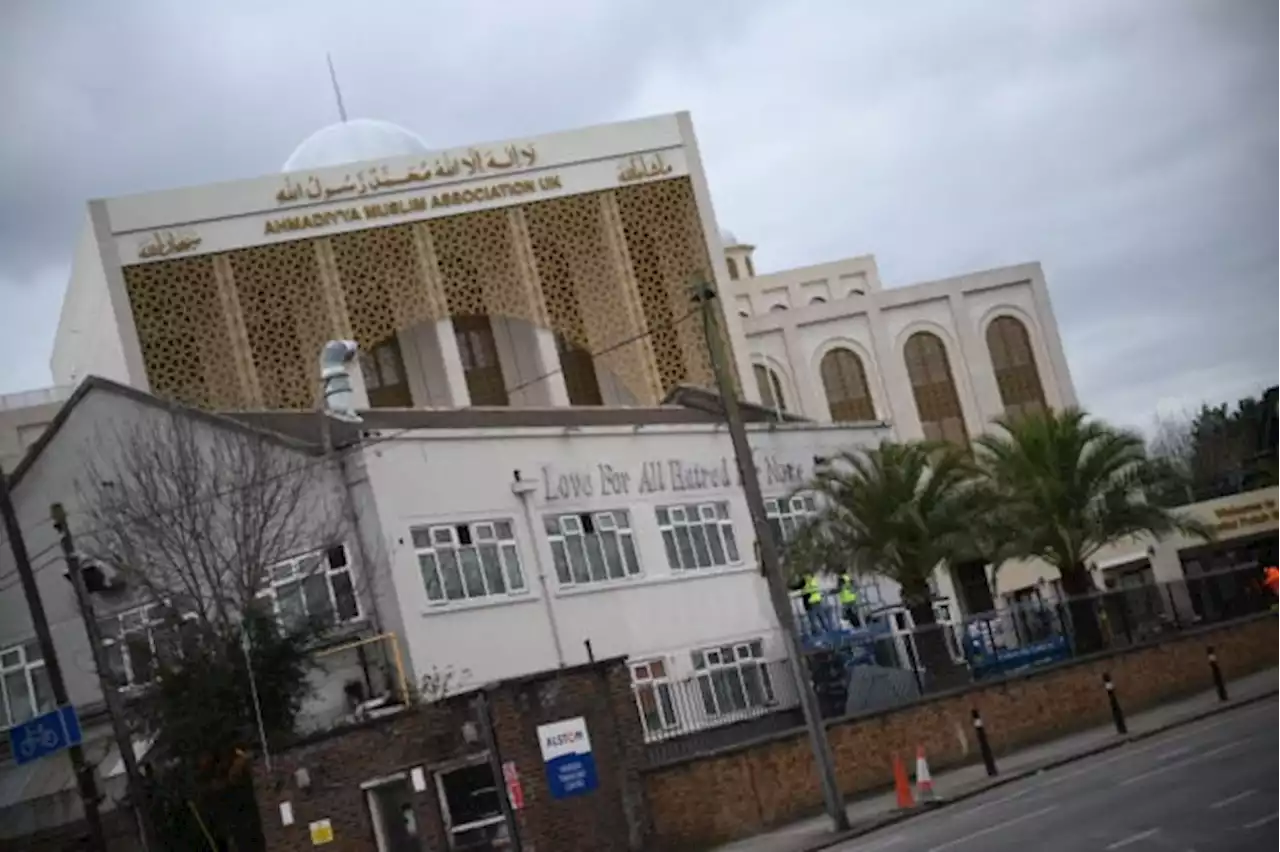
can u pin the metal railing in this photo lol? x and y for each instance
(875, 659)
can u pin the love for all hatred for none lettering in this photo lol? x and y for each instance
(655, 477)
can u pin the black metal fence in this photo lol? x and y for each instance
(861, 660)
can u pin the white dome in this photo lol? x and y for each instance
(352, 142)
(727, 239)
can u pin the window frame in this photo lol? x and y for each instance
(662, 689)
(720, 520)
(427, 543)
(121, 662)
(26, 665)
(843, 374)
(746, 654)
(603, 522)
(787, 514)
(273, 583)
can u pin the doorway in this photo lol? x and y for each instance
(391, 812)
(470, 806)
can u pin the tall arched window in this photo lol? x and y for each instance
(845, 381)
(770, 387)
(934, 388)
(733, 267)
(1015, 367)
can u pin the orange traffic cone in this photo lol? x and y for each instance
(924, 781)
(900, 784)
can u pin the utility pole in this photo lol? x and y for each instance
(705, 295)
(124, 742)
(22, 561)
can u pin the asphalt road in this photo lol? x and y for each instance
(1207, 786)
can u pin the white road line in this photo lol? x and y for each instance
(1133, 838)
(994, 828)
(1231, 800)
(1177, 752)
(1181, 763)
(1260, 822)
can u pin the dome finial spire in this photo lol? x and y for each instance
(337, 92)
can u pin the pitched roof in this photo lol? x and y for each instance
(98, 383)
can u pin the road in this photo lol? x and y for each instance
(1207, 786)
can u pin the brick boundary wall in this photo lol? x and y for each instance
(741, 791)
(613, 817)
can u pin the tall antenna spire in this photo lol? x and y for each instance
(337, 92)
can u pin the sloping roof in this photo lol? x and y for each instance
(97, 383)
(708, 401)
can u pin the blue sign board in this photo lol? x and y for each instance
(44, 735)
(566, 751)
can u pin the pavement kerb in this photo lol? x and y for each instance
(877, 823)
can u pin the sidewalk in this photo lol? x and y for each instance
(870, 813)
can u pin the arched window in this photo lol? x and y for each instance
(733, 267)
(776, 308)
(1015, 367)
(845, 381)
(817, 300)
(934, 388)
(770, 388)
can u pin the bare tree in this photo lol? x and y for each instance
(195, 516)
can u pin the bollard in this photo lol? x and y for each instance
(1218, 683)
(987, 757)
(1117, 715)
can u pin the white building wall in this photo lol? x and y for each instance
(876, 325)
(425, 478)
(87, 340)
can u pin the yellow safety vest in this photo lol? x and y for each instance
(847, 594)
(812, 591)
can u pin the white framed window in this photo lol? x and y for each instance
(592, 547)
(654, 698)
(787, 514)
(733, 678)
(698, 535)
(461, 562)
(24, 684)
(316, 585)
(135, 639)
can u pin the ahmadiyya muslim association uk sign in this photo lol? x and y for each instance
(566, 752)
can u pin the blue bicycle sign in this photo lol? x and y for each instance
(46, 734)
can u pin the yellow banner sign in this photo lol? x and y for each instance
(414, 204)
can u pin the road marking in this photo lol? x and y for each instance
(1133, 838)
(884, 844)
(1231, 800)
(1181, 763)
(997, 827)
(1177, 752)
(1260, 822)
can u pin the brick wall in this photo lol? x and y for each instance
(745, 790)
(431, 736)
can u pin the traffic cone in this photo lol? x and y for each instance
(900, 784)
(924, 781)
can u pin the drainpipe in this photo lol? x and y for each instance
(524, 488)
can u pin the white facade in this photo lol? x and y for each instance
(792, 319)
(517, 481)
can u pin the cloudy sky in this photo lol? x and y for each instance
(1128, 145)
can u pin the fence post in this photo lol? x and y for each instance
(984, 744)
(1173, 607)
(1117, 715)
(1218, 682)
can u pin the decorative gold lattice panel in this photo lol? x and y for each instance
(478, 268)
(667, 249)
(285, 318)
(183, 332)
(382, 281)
(585, 289)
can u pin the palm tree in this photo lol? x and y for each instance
(1070, 485)
(898, 510)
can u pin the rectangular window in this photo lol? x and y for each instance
(787, 514)
(654, 699)
(592, 547)
(733, 678)
(316, 585)
(462, 562)
(24, 684)
(698, 535)
(136, 639)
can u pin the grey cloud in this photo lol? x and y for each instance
(1130, 147)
